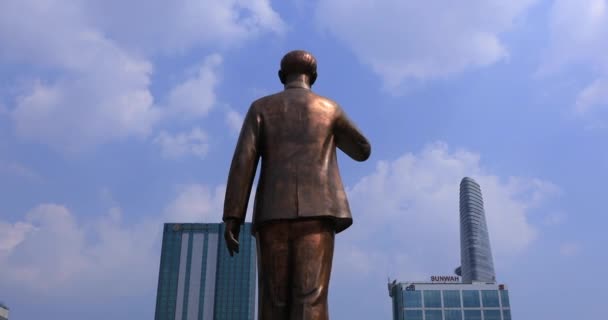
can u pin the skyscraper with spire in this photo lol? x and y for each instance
(475, 296)
(476, 260)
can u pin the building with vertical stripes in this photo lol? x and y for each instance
(198, 280)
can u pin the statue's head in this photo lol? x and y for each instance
(298, 62)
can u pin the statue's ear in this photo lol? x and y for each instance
(282, 76)
(313, 78)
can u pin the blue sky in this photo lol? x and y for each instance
(115, 118)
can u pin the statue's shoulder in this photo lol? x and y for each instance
(279, 98)
(327, 102)
(265, 100)
(321, 97)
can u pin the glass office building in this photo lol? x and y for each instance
(199, 280)
(450, 301)
(3, 311)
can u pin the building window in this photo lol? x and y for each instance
(412, 299)
(451, 299)
(504, 298)
(506, 314)
(453, 315)
(432, 299)
(491, 314)
(490, 298)
(413, 314)
(433, 315)
(472, 314)
(470, 298)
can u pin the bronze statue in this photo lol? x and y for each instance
(300, 201)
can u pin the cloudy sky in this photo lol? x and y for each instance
(117, 117)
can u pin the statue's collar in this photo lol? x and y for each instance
(297, 84)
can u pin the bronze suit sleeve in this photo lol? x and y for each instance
(349, 139)
(242, 169)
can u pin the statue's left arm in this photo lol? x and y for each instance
(349, 138)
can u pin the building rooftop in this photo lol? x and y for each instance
(429, 285)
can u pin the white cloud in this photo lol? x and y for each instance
(409, 207)
(199, 203)
(183, 144)
(593, 96)
(234, 120)
(569, 249)
(196, 203)
(555, 219)
(579, 32)
(91, 90)
(579, 38)
(52, 251)
(11, 235)
(413, 40)
(196, 95)
(74, 113)
(175, 26)
(91, 82)
(19, 170)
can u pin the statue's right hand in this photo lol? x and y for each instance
(233, 227)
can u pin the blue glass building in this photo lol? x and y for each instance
(199, 280)
(450, 301)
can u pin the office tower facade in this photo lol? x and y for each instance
(475, 252)
(450, 301)
(199, 280)
(3, 311)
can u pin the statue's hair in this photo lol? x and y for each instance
(298, 62)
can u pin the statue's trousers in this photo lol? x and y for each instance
(294, 263)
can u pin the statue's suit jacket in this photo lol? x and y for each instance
(295, 132)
